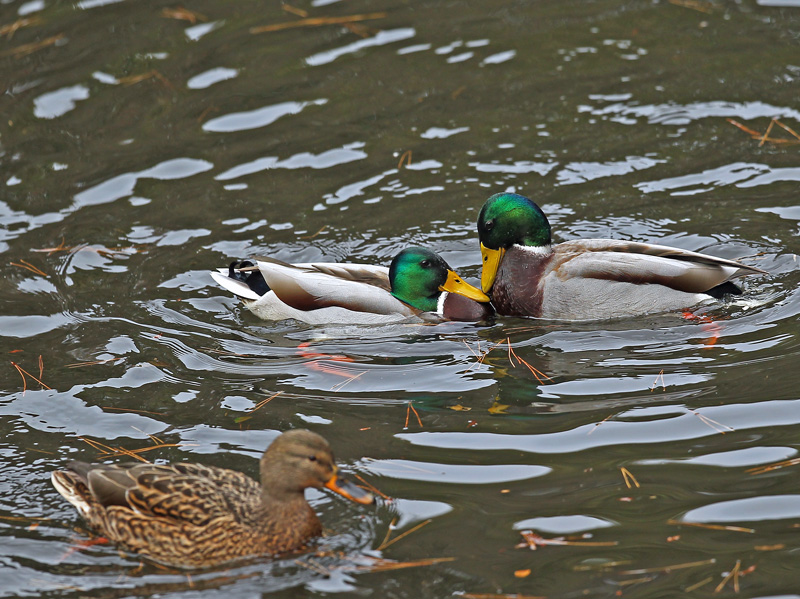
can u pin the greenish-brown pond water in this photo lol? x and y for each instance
(143, 144)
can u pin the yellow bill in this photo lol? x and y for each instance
(455, 284)
(491, 264)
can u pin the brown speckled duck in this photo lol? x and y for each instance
(193, 516)
(588, 279)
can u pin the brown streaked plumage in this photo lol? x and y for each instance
(588, 279)
(193, 516)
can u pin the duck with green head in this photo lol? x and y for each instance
(588, 279)
(418, 286)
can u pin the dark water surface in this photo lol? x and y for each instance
(144, 150)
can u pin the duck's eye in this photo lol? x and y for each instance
(425, 263)
(312, 458)
(488, 225)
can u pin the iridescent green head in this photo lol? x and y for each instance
(507, 219)
(418, 277)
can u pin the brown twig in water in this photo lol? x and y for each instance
(318, 21)
(629, 478)
(387, 542)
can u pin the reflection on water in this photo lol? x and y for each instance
(142, 147)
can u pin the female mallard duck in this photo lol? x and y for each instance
(193, 516)
(588, 279)
(419, 285)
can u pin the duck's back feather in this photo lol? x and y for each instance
(642, 263)
(603, 278)
(356, 287)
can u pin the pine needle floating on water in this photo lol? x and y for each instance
(385, 565)
(764, 137)
(258, 406)
(406, 157)
(596, 424)
(410, 409)
(350, 379)
(713, 424)
(533, 541)
(670, 568)
(386, 542)
(183, 14)
(710, 526)
(497, 596)
(95, 363)
(23, 373)
(370, 487)
(512, 355)
(318, 21)
(702, 583)
(704, 7)
(294, 10)
(655, 383)
(26, 49)
(314, 567)
(11, 29)
(28, 266)
(734, 574)
(107, 252)
(773, 466)
(106, 451)
(630, 479)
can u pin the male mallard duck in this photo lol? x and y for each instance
(588, 279)
(193, 516)
(419, 285)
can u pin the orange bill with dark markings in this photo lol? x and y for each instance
(350, 490)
